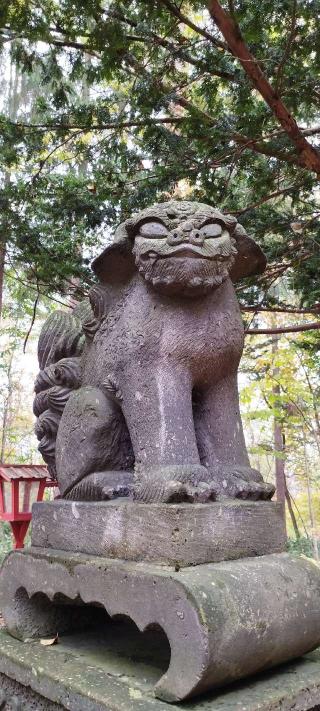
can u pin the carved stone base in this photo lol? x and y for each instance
(175, 534)
(223, 621)
(36, 678)
(17, 697)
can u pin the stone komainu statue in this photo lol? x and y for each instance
(137, 390)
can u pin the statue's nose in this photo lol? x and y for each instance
(176, 237)
(185, 235)
(196, 237)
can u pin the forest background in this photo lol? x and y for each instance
(107, 107)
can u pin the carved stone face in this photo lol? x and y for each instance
(180, 247)
(188, 259)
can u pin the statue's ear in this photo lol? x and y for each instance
(115, 265)
(250, 259)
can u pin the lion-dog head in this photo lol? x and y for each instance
(180, 248)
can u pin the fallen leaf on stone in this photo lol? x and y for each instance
(49, 642)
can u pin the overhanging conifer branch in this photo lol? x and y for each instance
(231, 32)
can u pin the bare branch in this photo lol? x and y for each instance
(280, 309)
(32, 320)
(285, 329)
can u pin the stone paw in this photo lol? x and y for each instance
(178, 492)
(244, 483)
(102, 486)
(172, 484)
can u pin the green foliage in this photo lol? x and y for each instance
(18, 368)
(6, 540)
(281, 387)
(88, 145)
(301, 546)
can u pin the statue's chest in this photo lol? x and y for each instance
(203, 338)
(186, 335)
(198, 335)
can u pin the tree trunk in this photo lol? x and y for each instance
(12, 104)
(6, 411)
(278, 433)
(2, 263)
(292, 514)
(82, 169)
(310, 505)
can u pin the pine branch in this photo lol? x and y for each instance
(186, 21)
(266, 198)
(174, 49)
(287, 50)
(100, 126)
(230, 30)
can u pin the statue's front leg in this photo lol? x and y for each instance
(157, 405)
(222, 445)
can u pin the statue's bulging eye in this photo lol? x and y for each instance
(153, 229)
(213, 229)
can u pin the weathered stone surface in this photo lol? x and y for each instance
(145, 379)
(223, 621)
(85, 673)
(17, 697)
(179, 534)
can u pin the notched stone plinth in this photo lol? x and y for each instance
(83, 673)
(223, 621)
(175, 534)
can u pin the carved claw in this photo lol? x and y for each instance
(102, 486)
(239, 482)
(178, 492)
(117, 491)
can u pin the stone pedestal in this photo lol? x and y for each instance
(88, 672)
(223, 621)
(219, 621)
(175, 534)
